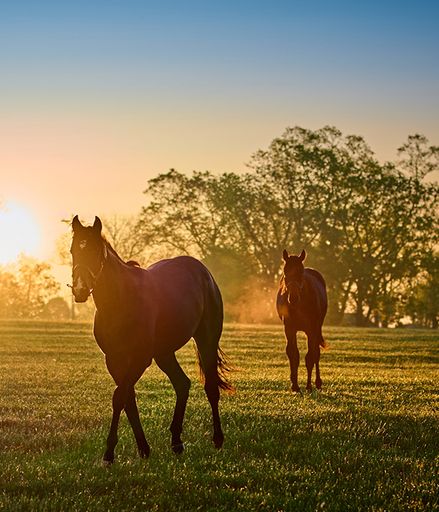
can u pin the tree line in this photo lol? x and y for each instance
(29, 290)
(371, 228)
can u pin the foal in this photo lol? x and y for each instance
(301, 305)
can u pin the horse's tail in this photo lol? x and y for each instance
(223, 368)
(212, 359)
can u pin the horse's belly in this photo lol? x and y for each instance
(122, 336)
(174, 331)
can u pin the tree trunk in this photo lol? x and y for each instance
(359, 315)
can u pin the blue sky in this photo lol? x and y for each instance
(398, 39)
(114, 92)
(223, 52)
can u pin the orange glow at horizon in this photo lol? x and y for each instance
(19, 232)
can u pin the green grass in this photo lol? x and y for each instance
(368, 441)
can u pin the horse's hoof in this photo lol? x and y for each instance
(144, 453)
(178, 448)
(296, 389)
(309, 389)
(218, 442)
(108, 458)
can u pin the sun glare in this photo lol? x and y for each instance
(19, 232)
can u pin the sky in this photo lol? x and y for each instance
(97, 97)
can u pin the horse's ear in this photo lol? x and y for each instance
(97, 225)
(76, 224)
(285, 255)
(302, 255)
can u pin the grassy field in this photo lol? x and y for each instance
(368, 441)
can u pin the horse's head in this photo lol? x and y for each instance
(293, 275)
(88, 257)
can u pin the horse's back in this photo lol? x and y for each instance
(180, 264)
(182, 273)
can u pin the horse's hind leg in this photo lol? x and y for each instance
(312, 358)
(318, 379)
(213, 395)
(181, 383)
(208, 354)
(133, 416)
(320, 342)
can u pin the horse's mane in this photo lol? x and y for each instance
(282, 286)
(111, 249)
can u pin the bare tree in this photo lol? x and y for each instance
(123, 234)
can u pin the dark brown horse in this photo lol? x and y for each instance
(301, 305)
(146, 314)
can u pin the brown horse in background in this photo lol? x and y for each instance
(301, 305)
(146, 314)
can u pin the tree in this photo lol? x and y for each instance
(417, 158)
(25, 292)
(120, 230)
(37, 286)
(365, 225)
(423, 302)
(182, 214)
(9, 291)
(190, 215)
(302, 176)
(123, 234)
(56, 308)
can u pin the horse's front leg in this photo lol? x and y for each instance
(126, 373)
(318, 378)
(312, 358)
(119, 399)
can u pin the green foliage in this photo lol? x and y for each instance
(368, 227)
(182, 213)
(423, 303)
(417, 158)
(368, 441)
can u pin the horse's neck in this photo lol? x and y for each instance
(109, 288)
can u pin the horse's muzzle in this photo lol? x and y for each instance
(80, 291)
(80, 298)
